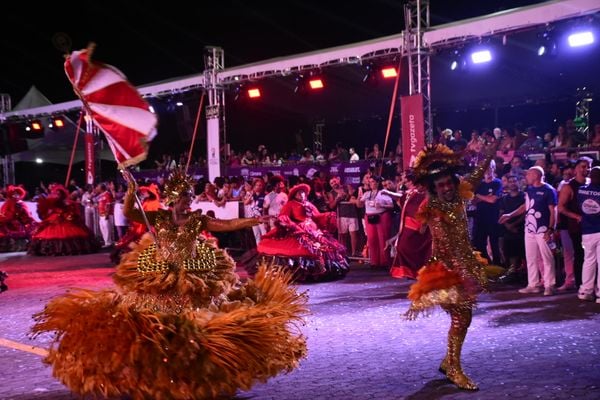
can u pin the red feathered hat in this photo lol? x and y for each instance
(56, 188)
(275, 179)
(15, 191)
(152, 190)
(297, 188)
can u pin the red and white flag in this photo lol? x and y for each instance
(116, 107)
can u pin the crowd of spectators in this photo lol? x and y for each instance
(502, 191)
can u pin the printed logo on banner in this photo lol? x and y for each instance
(310, 173)
(333, 169)
(352, 180)
(213, 156)
(244, 172)
(351, 170)
(295, 172)
(413, 128)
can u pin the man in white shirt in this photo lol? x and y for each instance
(275, 200)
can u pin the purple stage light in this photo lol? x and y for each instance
(581, 39)
(481, 56)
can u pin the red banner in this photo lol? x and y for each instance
(413, 128)
(90, 156)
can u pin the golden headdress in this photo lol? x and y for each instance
(434, 159)
(178, 183)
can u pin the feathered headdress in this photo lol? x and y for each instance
(435, 159)
(177, 184)
(15, 191)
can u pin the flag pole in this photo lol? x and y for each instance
(187, 165)
(390, 116)
(73, 150)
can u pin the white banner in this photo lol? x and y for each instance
(213, 158)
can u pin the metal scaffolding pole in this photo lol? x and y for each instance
(214, 62)
(416, 18)
(8, 164)
(582, 111)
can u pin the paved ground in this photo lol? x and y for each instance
(520, 347)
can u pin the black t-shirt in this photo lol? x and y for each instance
(458, 144)
(509, 204)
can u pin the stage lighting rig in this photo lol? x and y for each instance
(56, 122)
(547, 43)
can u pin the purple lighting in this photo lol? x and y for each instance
(581, 39)
(481, 56)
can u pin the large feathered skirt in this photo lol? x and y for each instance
(152, 338)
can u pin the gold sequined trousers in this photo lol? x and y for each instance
(460, 321)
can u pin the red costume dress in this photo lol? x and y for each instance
(300, 241)
(16, 223)
(62, 231)
(413, 248)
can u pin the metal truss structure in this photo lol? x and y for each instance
(431, 37)
(416, 17)
(582, 110)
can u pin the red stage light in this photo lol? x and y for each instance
(316, 83)
(37, 126)
(58, 122)
(389, 72)
(254, 93)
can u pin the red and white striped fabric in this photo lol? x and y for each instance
(115, 105)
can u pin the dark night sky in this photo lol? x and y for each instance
(150, 43)
(164, 40)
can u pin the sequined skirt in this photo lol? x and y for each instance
(437, 285)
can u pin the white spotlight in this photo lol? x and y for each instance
(541, 51)
(454, 65)
(581, 39)
(39, 160)
(481, 56)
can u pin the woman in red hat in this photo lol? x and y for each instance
(62, 231)
(16, 223)
(150, 202)
(300, 241)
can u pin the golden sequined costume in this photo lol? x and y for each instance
(179, 324)
(456, 273)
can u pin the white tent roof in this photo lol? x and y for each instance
(32, 99)
(55, 147)
(509, 20)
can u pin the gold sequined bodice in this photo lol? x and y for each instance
(449, 231)
(177, 243)
(178, 246)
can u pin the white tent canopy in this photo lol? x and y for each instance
(32, 99)
(55, 147)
